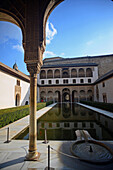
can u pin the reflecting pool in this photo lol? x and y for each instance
(64, 119)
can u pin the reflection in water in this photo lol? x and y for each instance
(64, 119)
(66, 110)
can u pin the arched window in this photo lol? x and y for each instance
(65, 73)
(73, 73)
(89, 72)
(81, 72)
(49, 74)
(57, 73)
(42, 74)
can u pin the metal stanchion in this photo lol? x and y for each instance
(45, 141)
(49, 168)
(48, 157)
(7, 141)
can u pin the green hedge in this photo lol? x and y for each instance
(100, 105)
(10, 115)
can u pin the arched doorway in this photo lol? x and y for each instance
(57, 96)
(50, 96)
(66, 95)
(17, 100)
(82, 95)
(42, 96)
(89, 95)
(74, 96)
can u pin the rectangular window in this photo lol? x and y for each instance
(18, 82)
(49, 82)
(103, 84)
(89, 80)
(74, 80)
(81, 81)
(42, 82)
(66, 124)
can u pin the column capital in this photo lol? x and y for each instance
(33, 68)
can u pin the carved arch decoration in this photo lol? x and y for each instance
(9, 11)
(31, 17)
(48, 8)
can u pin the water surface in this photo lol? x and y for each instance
(64, 119)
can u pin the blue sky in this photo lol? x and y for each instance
(75, 28)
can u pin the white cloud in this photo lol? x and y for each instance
(50, 32)
(9, 32)
(89, 43)
(49, 54)
(62, 54)
(18, 47)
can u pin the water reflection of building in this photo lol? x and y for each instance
(73, 79)
(68, 121)
(93, 128)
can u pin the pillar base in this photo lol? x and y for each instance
(32, 156)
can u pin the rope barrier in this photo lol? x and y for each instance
(64, 153)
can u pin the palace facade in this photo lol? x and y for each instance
(60, 80)
(75, 79)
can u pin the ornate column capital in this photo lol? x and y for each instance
(33, 68)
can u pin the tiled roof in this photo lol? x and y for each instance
(14, 72)
(104, 77)
(75, 58)
(70, 65)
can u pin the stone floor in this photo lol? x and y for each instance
(12, 156)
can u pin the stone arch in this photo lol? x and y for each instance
(66, 95)
(43, 96)
(50, 96)
(81, 72)
(49, 8)
(90, 95)
(8, 16)
(57, 96)
(82, 95)
(66, 110)
(65, 73)
(73, 73)
(89, 72)
(50, 74)
(42, 74)
(74, 96)
(57, 73)
(32, 17)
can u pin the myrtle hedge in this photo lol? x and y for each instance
(100, 105)
(10, 115)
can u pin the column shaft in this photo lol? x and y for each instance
(33, 154)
